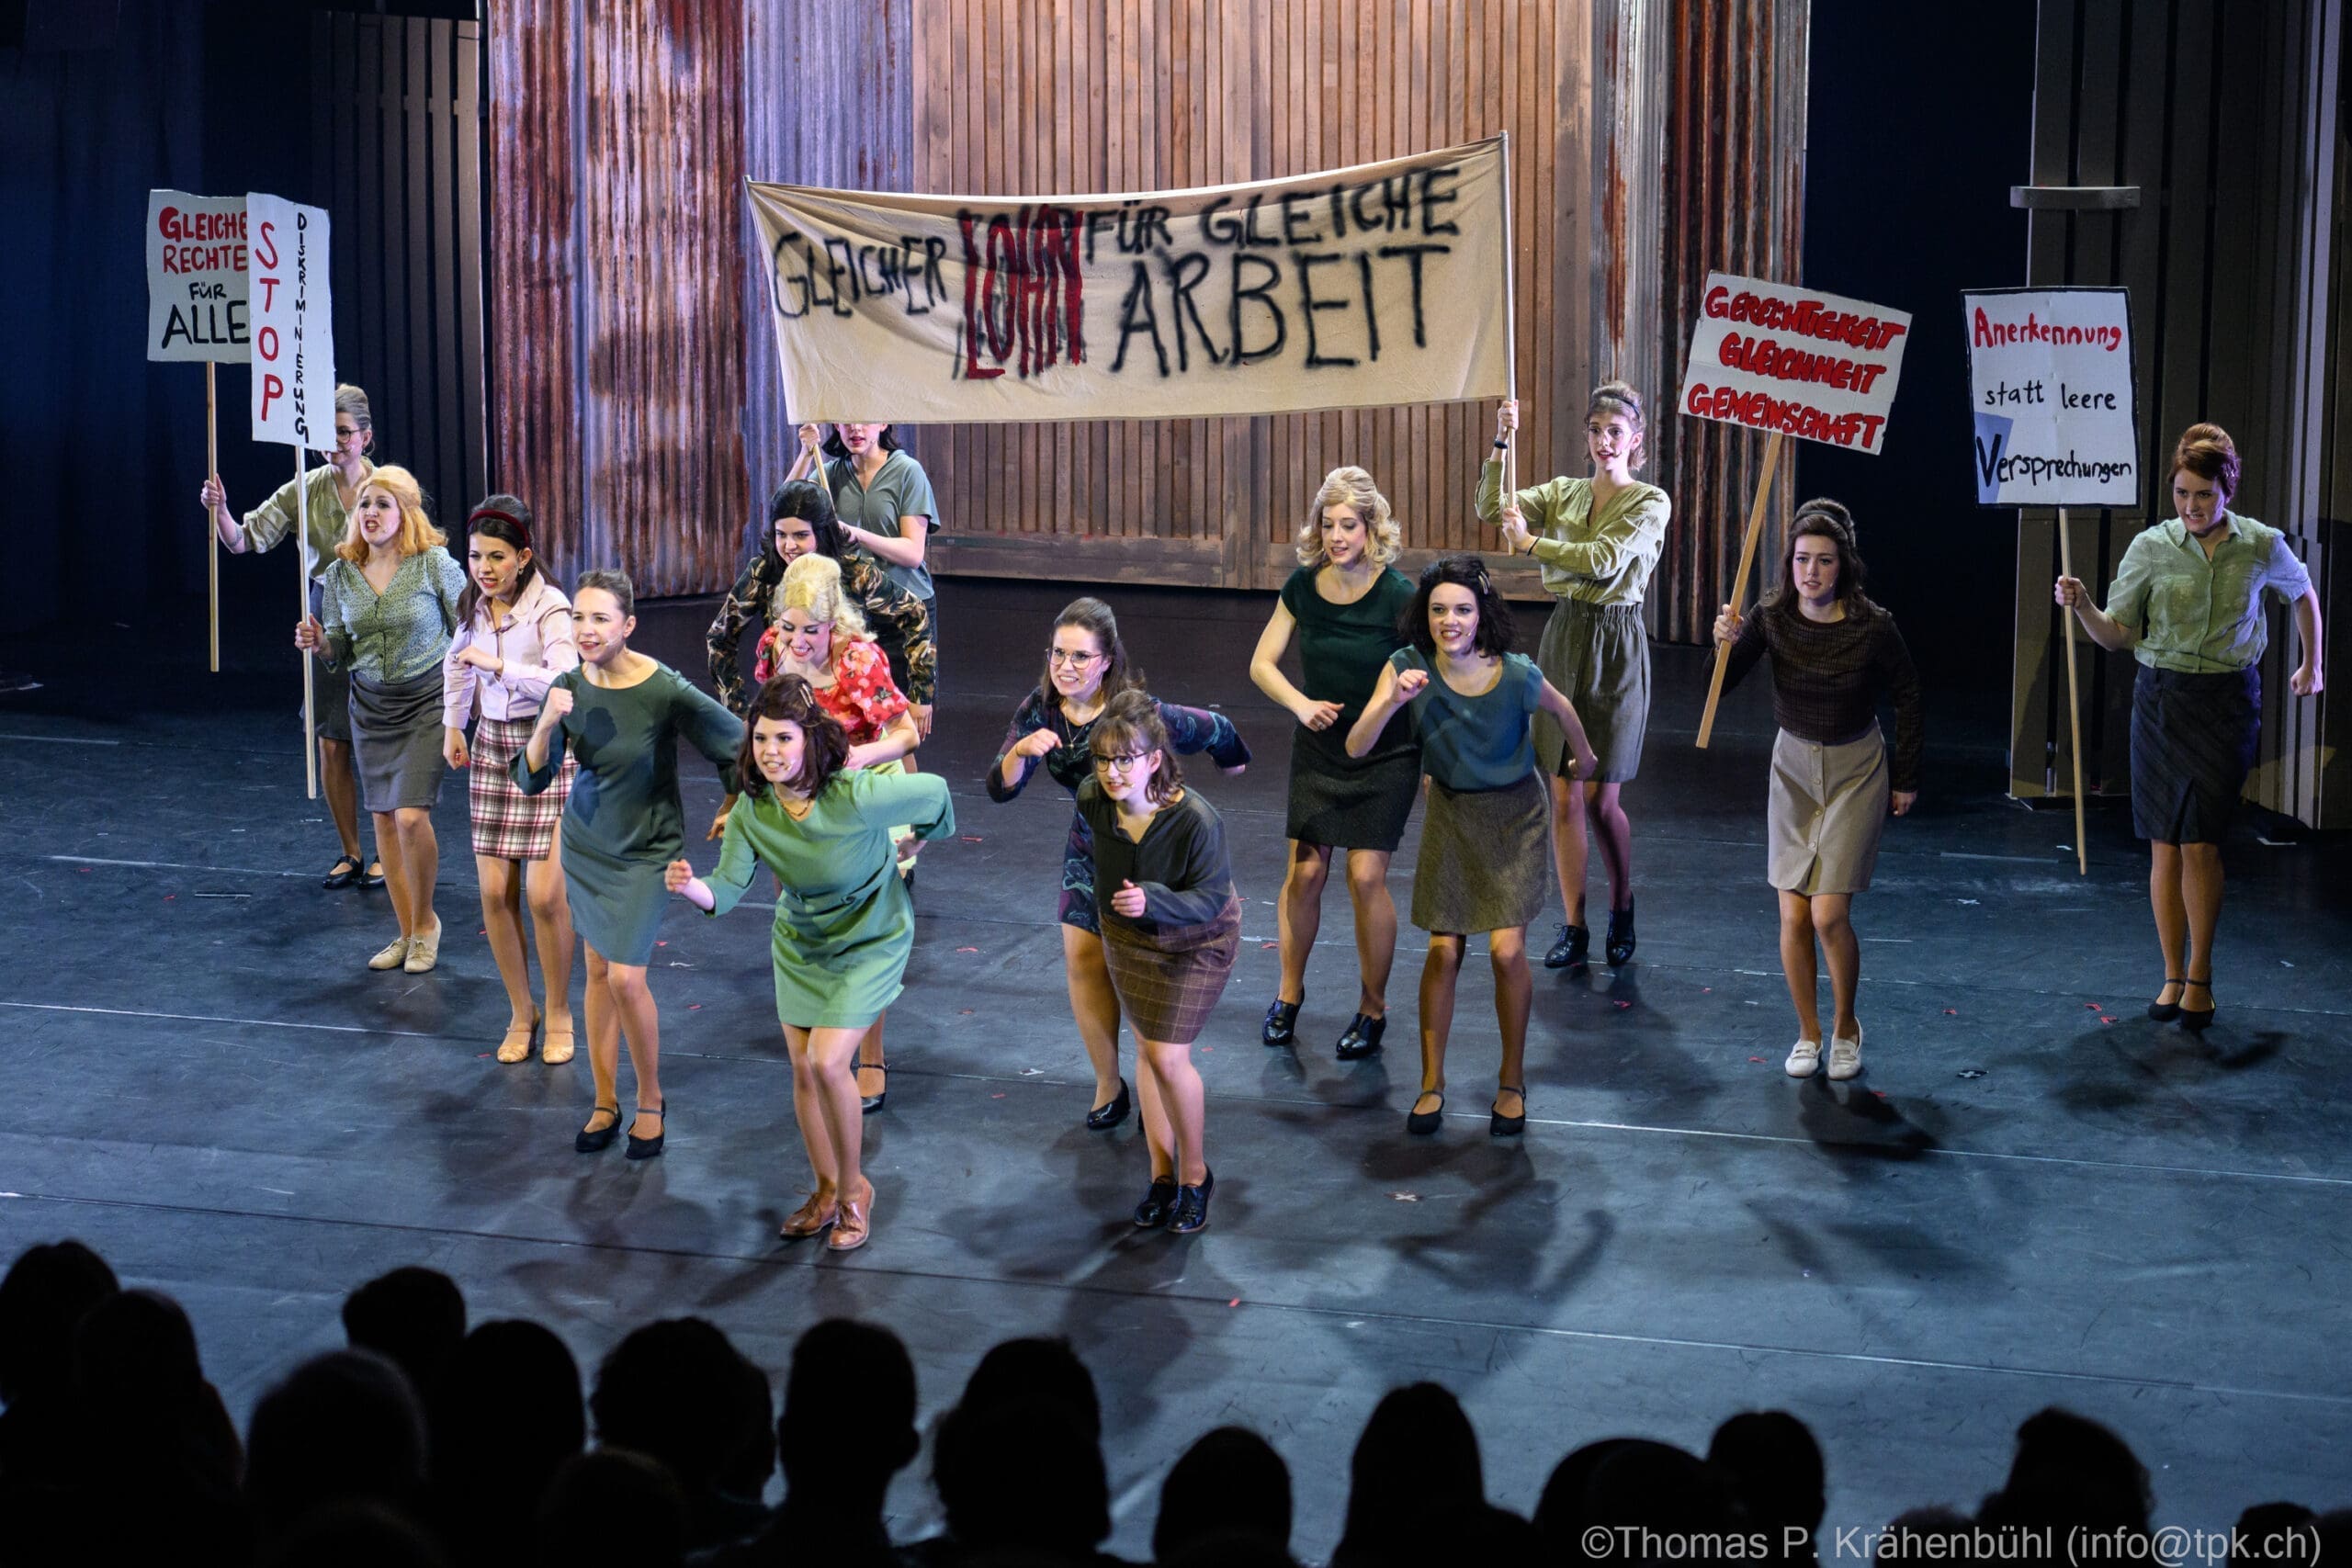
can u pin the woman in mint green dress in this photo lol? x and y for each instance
(844, 921)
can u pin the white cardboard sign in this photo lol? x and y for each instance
(293, 323)
(196, 277)
(2050, 387)
(1775, 357)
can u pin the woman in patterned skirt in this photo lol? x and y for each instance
(1482, 862)
(513, 636)
(1086, 666)
(1172, 927)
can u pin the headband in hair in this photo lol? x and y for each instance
(482, 513)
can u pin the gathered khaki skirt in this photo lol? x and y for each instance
(1485, 858)
(1597, 655)
(1827, 810)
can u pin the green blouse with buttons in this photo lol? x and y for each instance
(2201, 615)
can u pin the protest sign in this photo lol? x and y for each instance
(196, 277)
(2050, 387)
(1374, 286)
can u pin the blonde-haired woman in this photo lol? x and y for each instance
(389, 600)
(820, 636)
(1344, 604)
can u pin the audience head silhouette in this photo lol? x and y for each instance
(47, 1291)
(678, 1390)
(1043, 1368)
(344, 1425)
(849, 1413)
(1230, 1484)
(613, 1505)
(1416, 1458)
(2069, 1469)
(413, 1317)
(1021, 1475)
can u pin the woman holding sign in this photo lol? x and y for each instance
(2187, 602)
(1598, 540)
(1835, 654)
(333, 490)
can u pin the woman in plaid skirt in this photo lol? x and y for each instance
(514, 635)
(1172, 927)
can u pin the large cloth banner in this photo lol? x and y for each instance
(1368, 286)
(196, 277)
(2051, 387)
(293, 319)
(1774, 356)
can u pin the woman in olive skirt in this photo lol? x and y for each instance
(1342, 604)
(1482, 861)
(1172, 927)
(1835, 655)
(2188, 602)
(1598, 540)
(390, 599)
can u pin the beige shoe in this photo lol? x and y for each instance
(394, 955)
(424, 951)
(555, 1046)
(516, 1045)
(1846, 1056)
(1804, 1058)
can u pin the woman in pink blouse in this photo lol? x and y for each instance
(514, 635)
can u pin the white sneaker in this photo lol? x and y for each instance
(393, 956)
(1846, 1055)
(1804, 1058)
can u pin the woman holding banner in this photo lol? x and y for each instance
(1835, 654)
(1342, 603)
(2188, 602)
(1086, 666)
(390, 598)
(332, 490)
(1598, 540)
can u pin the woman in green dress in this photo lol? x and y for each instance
(844, 921)
(621, 713)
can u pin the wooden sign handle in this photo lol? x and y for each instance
(303, 577)
(212, 529)
(1739, 583)
(2074, 703)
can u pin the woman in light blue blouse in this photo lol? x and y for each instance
(389, 599)
(2186, 602)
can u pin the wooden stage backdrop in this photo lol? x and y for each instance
(1651, 140)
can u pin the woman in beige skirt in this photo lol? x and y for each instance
(1835, 654)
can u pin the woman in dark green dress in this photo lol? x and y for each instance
(1343, 604)
(621, 713)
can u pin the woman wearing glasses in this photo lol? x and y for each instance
(1086, 667)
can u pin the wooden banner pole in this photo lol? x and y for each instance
(1739, 583)
(1511, 337)
(212, 529)
(2074, 703)
(302, 578)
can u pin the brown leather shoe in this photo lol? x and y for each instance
(854, 1226)
(811, 1217)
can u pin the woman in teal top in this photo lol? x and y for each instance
(1343, 604)
(844, 921)
(2188, 602)
(621, 714)
(1483, 833)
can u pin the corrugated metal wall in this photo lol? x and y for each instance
(2226, 115)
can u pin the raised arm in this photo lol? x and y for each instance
(1193, 730)
(1635, 531)
(908, 619)
(1026, 741)
(898, 739)
(1396, 689)
(559, 651)
(1745, 634)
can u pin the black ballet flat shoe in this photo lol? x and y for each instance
(1158, 1203)
(2164, 1012)
(646, 1148)
(597, 1142)
(1569, 951)
(1363, 1037)
(1102, 1118)
(342, 874)
(1501, 1126)
(1621, 936)
(1281, 1024)
(870, 1103)
(373, 878)
(1192, 1206)
(1421, 1123)
(2196, 1020)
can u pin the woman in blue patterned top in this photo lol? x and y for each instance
(1086, 667)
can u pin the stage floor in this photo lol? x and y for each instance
(2033, 1195)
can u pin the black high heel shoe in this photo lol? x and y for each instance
(1192, 1206)
(1501, 1126)
(1282, 1020)
(1421, 1123)
(870, 1103)
(601, 1139)
(1571, 951)
(344, 872)
(1363, 1037)
(1159, 1203)
(1102, 1118)
(1621, 936)
(2164, 1012)
(646, 1148)
(2196, 1020)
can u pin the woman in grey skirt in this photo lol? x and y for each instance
(391, 600)
(1835, 654)
(2188, 602)
(1482, 859)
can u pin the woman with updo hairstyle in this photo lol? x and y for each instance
(513, 636)
(1343, 604)
(389, 600)
(1598, 540)
(844, 922)
(2187, 602)
(1835, 656)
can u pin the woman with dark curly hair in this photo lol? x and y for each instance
(844, 922)
(1484, 848)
